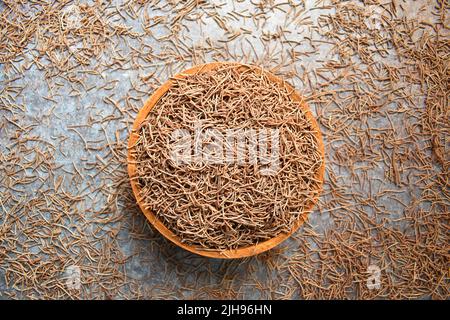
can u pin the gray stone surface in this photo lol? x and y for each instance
(52, 120)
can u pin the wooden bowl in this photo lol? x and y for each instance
(228, 254)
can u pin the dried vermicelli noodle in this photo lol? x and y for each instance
(74, 74)
(234, 203)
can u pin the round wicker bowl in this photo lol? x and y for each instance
(227, 254)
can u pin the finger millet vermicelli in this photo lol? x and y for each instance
(228, 205)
